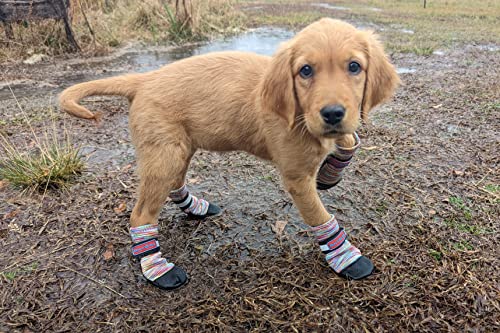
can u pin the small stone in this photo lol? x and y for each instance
(35, 58)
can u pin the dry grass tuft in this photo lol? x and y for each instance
(49, 161)
(50, 165)
(101, 24)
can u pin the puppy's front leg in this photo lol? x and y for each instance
(331, 170)
(305, 197)
(343, 257)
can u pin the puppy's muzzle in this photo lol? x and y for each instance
(333, 114)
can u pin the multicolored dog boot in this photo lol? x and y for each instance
(343, 257)
(331, 171)
(191, 205)
(156, 269)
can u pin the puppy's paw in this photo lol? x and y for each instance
(346, 141)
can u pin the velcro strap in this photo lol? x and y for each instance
(145, 248)
(335, 242)
(182, 201)
(186, 203)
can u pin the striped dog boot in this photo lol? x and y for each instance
(343, 257)
(191, 205)
(331, 171)
(156, 269)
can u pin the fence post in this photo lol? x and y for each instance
(62, 10)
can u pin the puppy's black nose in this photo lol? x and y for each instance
(332, 114)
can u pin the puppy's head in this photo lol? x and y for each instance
(327, 77)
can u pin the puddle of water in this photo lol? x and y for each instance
(490, 48)
(262, 41)
(453, 129)
(254, 8)
(329, 6)
(407, 31)
(405, 70)
(118, 156)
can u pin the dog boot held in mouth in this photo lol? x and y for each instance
(331, 171)
(343, 257)
(156, 269)
(193, 206)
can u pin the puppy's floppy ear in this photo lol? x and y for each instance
(381, 76)
(276, 88)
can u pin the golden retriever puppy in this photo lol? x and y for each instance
(293, 109)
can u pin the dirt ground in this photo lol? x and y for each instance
(421, 200)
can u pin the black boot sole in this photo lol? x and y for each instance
(213, 210)
(171, 280)
(323, 187)
(358, 270)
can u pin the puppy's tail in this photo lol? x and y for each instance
(125, 85)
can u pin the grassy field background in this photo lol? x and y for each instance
(102, 25)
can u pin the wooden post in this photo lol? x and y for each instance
(61, 9)
(15, 11)
(69, 34)
(425, 3)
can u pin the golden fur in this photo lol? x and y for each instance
(241, 101)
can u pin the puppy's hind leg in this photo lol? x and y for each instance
(190, 204)
(161, 165)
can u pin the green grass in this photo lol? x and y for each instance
(465, 227)
(177, 29)
(381, 207)
(458, 202)
(292, 19)
(463, 246)
(436, 254)
(441, 25)
(493, 188)
(421, 51)
(11, 275)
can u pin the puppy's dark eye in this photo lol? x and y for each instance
(306, 71)
(354, 67)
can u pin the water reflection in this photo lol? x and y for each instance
(262, 41)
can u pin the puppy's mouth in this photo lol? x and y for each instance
(332, 131)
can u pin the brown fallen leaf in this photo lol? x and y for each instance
(11, 214)
(195, 180)
(3, 184)
(279, 227)
(370, 148)
(109, 253)
(126, 167)
(121, 208)
(458, 173)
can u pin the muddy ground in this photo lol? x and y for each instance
(421, 200)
